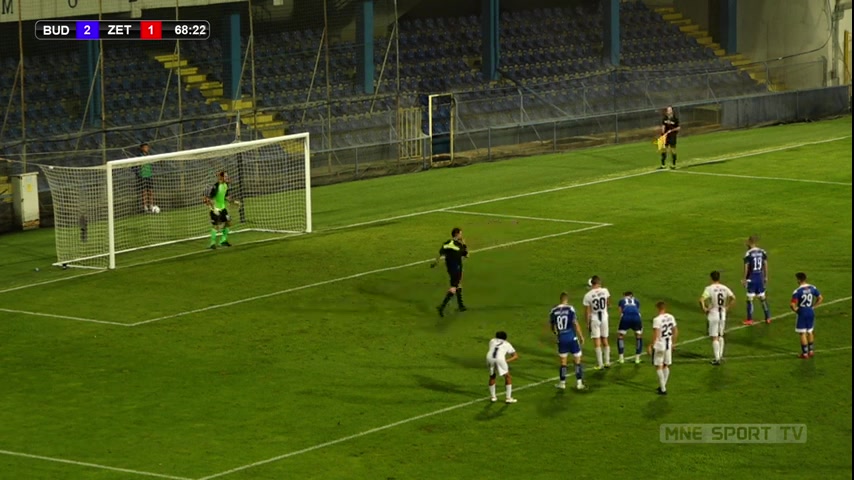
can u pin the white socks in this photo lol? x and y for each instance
(662, 380)
(509, 391)
(716, 349)
(492, 391)
(599, 356)
(607, 355)
(721, 341)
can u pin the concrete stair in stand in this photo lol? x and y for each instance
(193, 78)
(756, 71)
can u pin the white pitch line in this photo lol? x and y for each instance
(699, 161)
(92, 465)
(763, 151)
(521, 217)
(38, 284)
(753, 177)
(367, 432)
(491, 200)
(789, 313)
(769, 355)
(63, 317)
(356, 275)
(443, 410)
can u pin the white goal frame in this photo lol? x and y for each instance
(110, 166)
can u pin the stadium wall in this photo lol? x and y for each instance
(788, 32)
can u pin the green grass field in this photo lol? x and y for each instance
(322, 357)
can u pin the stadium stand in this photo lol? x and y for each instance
(550, 54)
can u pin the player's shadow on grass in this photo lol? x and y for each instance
(557, 404)
(442, 386)
(491, 411)
(657, 408)
(474, 363)
(757, 339)
(674, 303)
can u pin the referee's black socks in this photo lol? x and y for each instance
(460, 298)
(673, 156)
(663, 158)
(448, 297)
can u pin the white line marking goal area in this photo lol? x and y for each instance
(589, 226)
(405, 421)
(515, 389)
(609, 178)
(754, 177)
(91, 465)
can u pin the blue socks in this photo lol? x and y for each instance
(766, 309)
(638, 346)
(621, 345)
(749, 310)
(579, 372)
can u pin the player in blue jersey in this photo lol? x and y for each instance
(630, 319)
(804, 301)
(755, 278)
(564, 323)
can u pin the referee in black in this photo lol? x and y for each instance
(453, 252)
(669, 127)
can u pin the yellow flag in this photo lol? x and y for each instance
(660, 142)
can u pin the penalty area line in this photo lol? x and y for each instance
(733, 329)
(462, 405)
(357, 275)
(521, 217)
(753, 177)
(63, 317)
(91, 465)
(768, 355)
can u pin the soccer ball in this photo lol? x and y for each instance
(155, 209)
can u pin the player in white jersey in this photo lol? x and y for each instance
(716, 300)
(597, 300)
(664, 334)
(500, 353)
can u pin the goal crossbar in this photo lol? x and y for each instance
(94, 223)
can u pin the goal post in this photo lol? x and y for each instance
(136, 204)
(441, 127)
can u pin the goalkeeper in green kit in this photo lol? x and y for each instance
(218, 199)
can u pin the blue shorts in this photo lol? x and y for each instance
(755, 287)
(806, 322)
(567, 346)
(630, 323)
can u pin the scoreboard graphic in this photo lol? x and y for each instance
(122, 30)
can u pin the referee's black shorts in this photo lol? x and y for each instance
(671, 140)
(456, 278)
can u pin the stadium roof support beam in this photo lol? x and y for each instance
(365, 71)
(611, 32)
(489, 17)
(90, 53)
(729, 26)
(231, 58)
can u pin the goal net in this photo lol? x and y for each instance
(129, 205)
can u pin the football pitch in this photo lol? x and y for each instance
(321, 356)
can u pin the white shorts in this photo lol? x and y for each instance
(750, 296)
(498, 365)
(717, 326)
(662, 357)
(599, 328)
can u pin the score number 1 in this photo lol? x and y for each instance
(150, 30)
